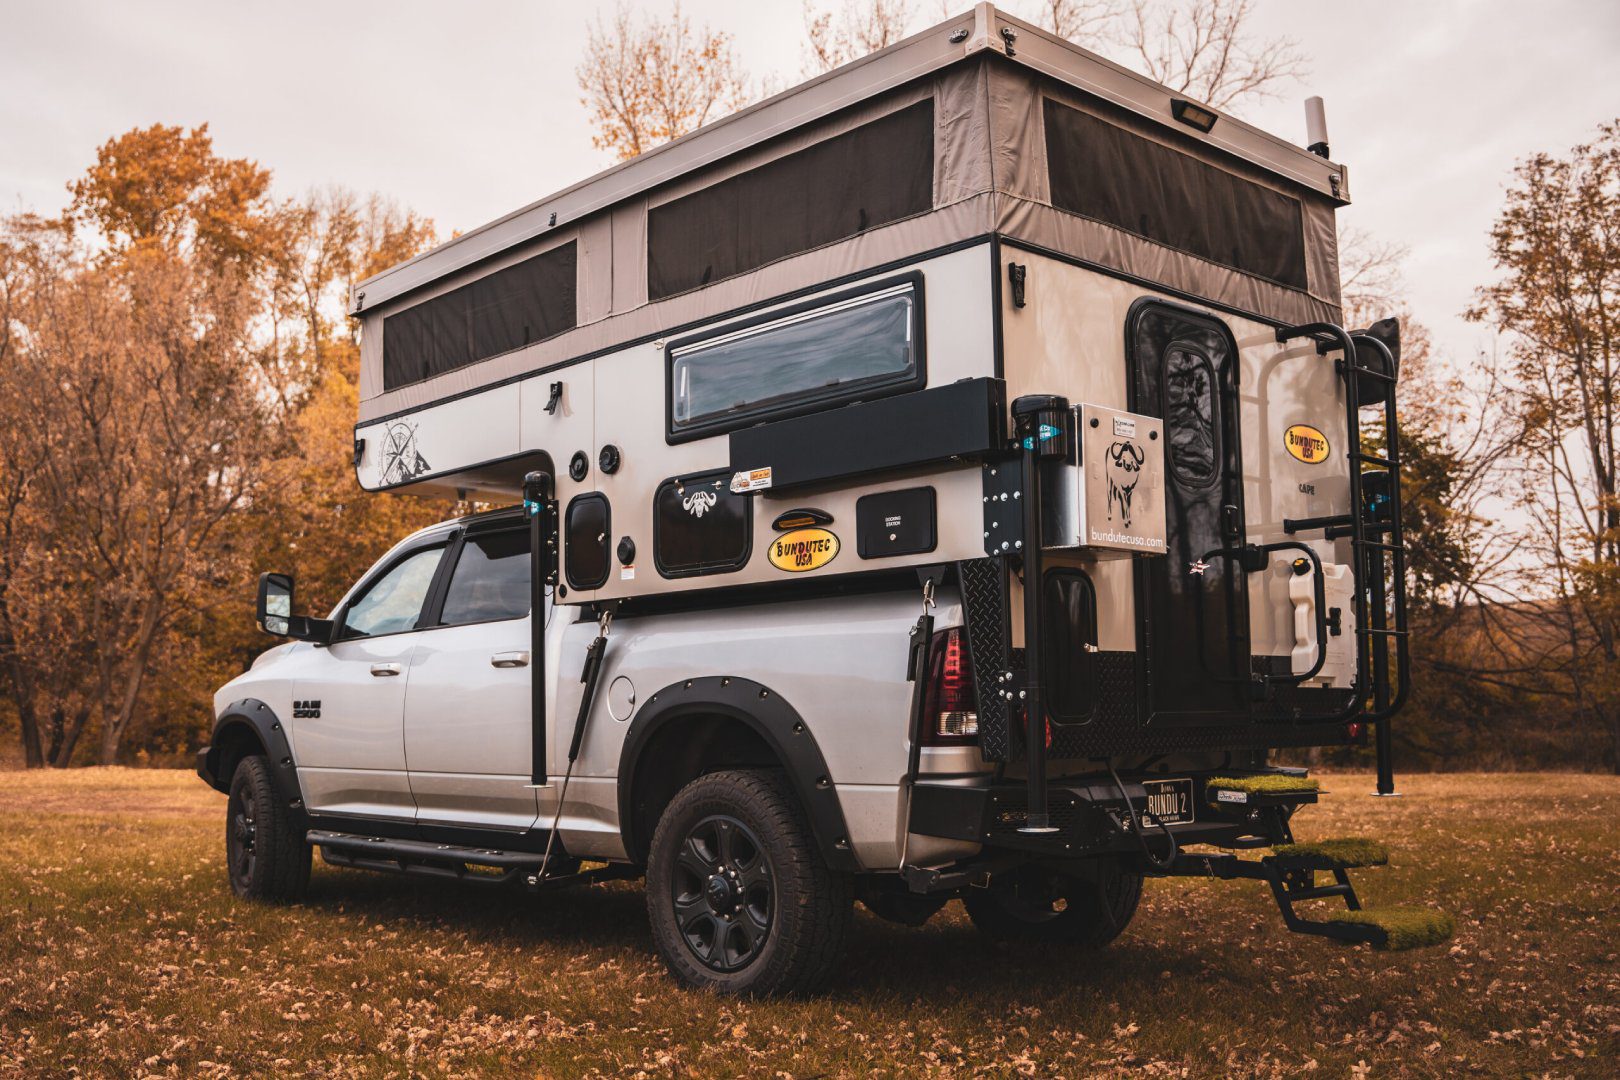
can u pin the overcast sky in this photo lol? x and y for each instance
(466, 111)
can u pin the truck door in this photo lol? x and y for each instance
(467, 719)
(349, 740)
(1192, 606)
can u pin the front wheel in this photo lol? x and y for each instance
(738, 895)
(1031, 904)
(264, 851)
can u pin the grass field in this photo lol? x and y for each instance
(122, 953)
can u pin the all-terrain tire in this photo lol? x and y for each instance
(1035, 905)
(740, 899)
(265, 853)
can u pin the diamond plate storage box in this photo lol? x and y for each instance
(1111, 499)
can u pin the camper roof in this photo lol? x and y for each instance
(981, 30)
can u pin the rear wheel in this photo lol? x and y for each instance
(1034, 904)
(738, 895)
(265, 853)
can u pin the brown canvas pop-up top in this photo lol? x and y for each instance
(980, 126)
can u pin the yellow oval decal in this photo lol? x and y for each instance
(803, 549)
(1306, 443)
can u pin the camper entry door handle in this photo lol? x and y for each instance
(384, 669)
(516, 658)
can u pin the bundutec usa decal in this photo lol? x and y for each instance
(1306, 443)
(803, 549)
(401, 460)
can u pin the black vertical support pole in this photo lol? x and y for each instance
(1042, 422)
(1039, 819)
(537, 504)
(1380, 660)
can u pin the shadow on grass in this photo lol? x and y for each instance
(935, 965)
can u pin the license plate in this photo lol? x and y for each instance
(1169, 801)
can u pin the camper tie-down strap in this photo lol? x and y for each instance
(922, 637)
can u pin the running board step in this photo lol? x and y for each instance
(1345, 853)
(383, 849)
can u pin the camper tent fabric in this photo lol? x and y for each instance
(1249, 239)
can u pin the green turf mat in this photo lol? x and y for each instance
(1266, 784)
(1344, 854)
(1404, 928)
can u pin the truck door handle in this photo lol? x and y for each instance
(518, 658)
(384, 669)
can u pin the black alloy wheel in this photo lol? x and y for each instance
(738, 894)
(723, 893)
(265, 853)
(241, 838)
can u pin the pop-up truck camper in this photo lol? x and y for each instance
(947, 479)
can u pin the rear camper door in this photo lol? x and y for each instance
(1194, 603)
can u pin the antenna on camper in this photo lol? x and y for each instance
(1316, 136)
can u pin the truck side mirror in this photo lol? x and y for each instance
(273, 611)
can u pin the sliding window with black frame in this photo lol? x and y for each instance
(856, 345)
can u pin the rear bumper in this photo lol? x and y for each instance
(1089, 815)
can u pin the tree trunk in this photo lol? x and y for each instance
(62, 757)
(112, 728)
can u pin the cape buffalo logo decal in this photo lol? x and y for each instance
(1124, 469)
(700, 502)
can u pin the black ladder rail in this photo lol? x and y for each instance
(1373, 596)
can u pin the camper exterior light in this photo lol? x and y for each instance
(1192, 115)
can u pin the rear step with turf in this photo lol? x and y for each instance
(1291, 872)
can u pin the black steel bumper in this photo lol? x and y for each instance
(1089, 815)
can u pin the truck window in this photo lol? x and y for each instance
(792, 362)
(393, 603)
(491, 579)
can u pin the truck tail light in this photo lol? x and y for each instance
(950, 710)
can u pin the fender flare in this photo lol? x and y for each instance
(773, 719)
(261, 720)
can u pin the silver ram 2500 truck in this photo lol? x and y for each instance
(788, 417)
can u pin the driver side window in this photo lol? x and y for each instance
(393, 603)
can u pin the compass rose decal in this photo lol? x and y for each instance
(401, 461)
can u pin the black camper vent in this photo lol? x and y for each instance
(587, 532)
(877, 173)
(1103, 172)
(520, 305)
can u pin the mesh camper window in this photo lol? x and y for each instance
(506, 310)
(1144, 187)
(877, 173)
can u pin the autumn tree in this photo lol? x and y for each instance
(647, 80)
(1557, 301)
(835, 37)
(1207, 50)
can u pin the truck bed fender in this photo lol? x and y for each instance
(254, 718)
(768, 715)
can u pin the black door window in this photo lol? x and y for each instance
(491, 579)
(1194, 601)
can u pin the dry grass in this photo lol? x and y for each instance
(123, 954)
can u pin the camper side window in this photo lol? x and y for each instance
(789, 363)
